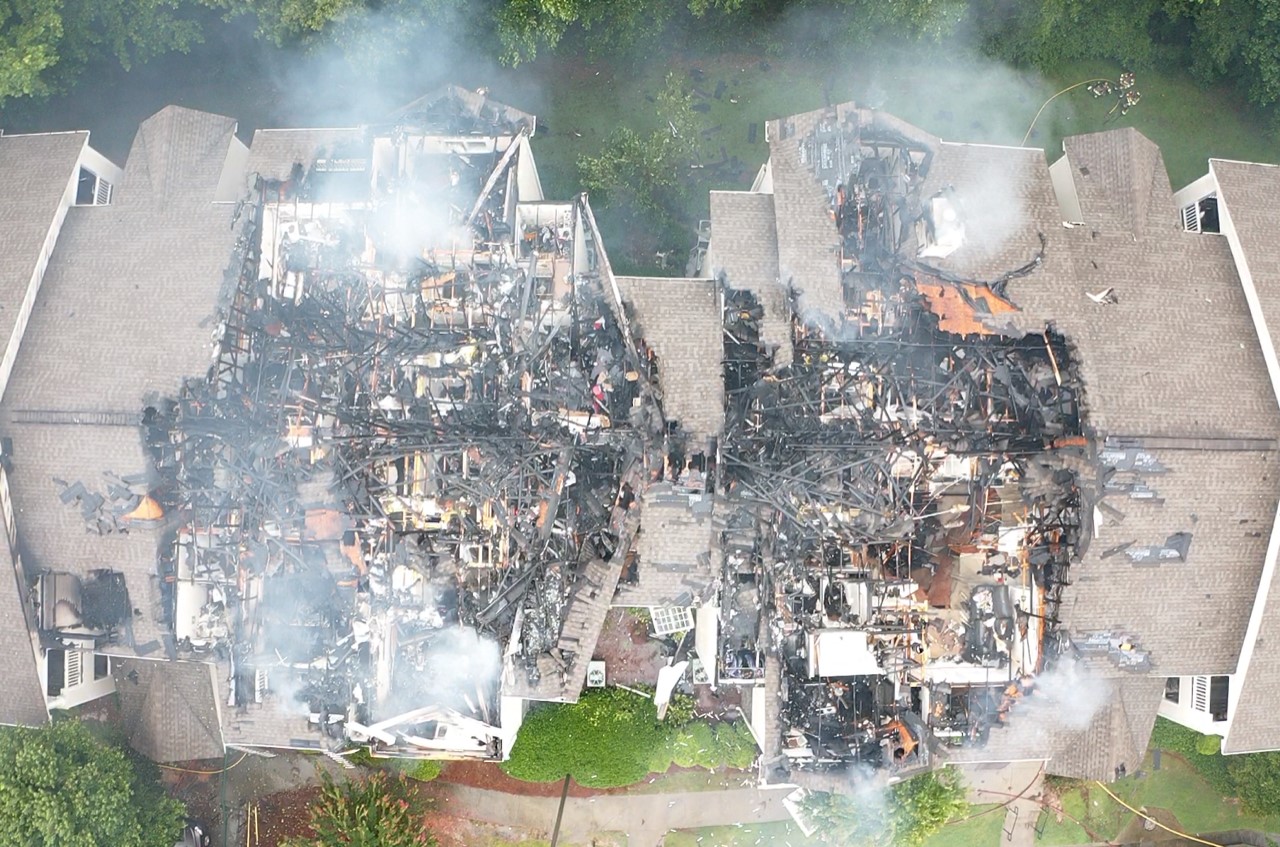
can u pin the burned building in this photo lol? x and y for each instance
(352, 437)
(998, 502)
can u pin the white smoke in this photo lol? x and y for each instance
(461, 670)
(1066, 696)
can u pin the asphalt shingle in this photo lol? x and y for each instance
(126, 314)
(169, 710)
(680, 321)
(1246, 197)
(808, 243)
(744, 248)
(37, 171)
(677, 550)
(274, 152)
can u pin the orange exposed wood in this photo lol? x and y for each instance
(953, 303)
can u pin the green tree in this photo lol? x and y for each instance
(928, 19)
(30, 31)
(288, 20)
(45, 43)
(1053, 32)
(373, 812)
(61, 787)
(903, 815)
(639, 181)
(1238, 40)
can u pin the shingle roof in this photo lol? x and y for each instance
(275, 151)
(22, 700)
(1246, 192)
(1190, 615)
(126, 313)
(1253, 725)
(1246, 196)
(1075, 743)
(677, 549)
(680, 320)
(1176, 291)
(808, 243)
(168, 710)
(1007, 201)
(36, 171)
(1120, 180)
(1175, 364)
(744, 247)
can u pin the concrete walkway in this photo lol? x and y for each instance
(645, 818)
(1018, 784)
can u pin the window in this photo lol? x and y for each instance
(55, 672)
(1202, 216)
(92, 190)
(1172, 689)
(1219, 691)
(101, 666)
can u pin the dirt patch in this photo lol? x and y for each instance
(285, 814)
(631, 657)
(489, 776)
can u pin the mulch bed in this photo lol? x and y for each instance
(489, 776)
(284, 814)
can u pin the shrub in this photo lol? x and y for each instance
(903, 815)
(1209, 745)
(612, 737)
(372, 812)
(1257, 780)
(695, 746)
(426, 770)
(735, 745)
(606, 739)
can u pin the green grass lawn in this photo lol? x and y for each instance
(982, 829)
(681, 781)
(979, 830)
(1176, 787)
(747, 835)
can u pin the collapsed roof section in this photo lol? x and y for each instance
(403, 488)
(454, 110)
(904, 463)
(917, 267)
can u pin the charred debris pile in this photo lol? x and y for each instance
(414, 447)
(907, 476)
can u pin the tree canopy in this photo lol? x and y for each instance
(43, 43)
(61, 787)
